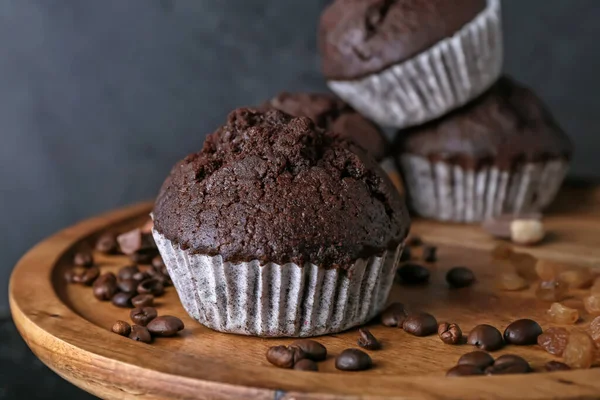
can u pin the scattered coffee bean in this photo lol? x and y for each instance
(394, 315)
(140, 334)
(405, 254)
(151, 286)
(143, 300)
(140, 276)
(420, 324)
(89, 276)
(107, 244)
(430, 254)
(413, 241)
(130, 241)
(128, 285)
(460, 277)
(285, 356)
(122, 300)
(143, 256)
(165, 326)
(158, 263)
(522, 332)
(83, 259)
(312, 349)
(71, 276)
(121, 328)
(306, 365)
(367, 340)
(450, 333)
(464, 370)
(353, 360)
(142, 316)
(508, 364)
(479, 359)
(486, 337)
(556, 366)
(413, 274)
(105, 286)
(127, 272)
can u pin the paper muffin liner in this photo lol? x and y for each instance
(442, 78)
(449, 192)
(278, 300)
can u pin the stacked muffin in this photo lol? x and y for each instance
(470, 143)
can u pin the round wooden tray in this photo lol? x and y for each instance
(69, 330)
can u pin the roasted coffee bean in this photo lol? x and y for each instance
(420, 324)
(450, 333)
(71, 276)
(140, 334)
(142, 316)
(394, 315)
(143, 300)
(556, 366)
(460, 277)
(285, 356)
(158, 263)
(413, 274)
(413, 241)
(312, 349)
(128, 285)
(464, 370)
(522, 332)
(508, 364)
(89, 276)
(143, 256)
(122, 299)
(306, 365)
(105, 286)
(486, 337)
(479, 359)
(121, 328)
(353, 360)
(430, 254)
(127, 272)
(140, 276)
(107, 244)
(405, 254)
(165, 326)
(367, 340)
(151, 286)
(83, 259)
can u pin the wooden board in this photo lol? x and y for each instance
(69, 330)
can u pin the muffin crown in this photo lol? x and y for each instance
(274, 188)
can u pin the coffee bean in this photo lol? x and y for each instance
(121, 328)
(83, 259)
(151, 286)
(479, 359)
(127, 272)
(128, 285)
(367, 340)
(122, 299)
(413, 274)
(143, 300)
(285, 356)
(140, 334)
(142, 316)
(464, 370)
(306, 365)
(158, 263)
(143, 256)
(420, 324)
(131, 241)
(405, 254)
(460, 277)
(165, 326)
(353, 360)
(522, 332)
(71, 276)
(556, 366)
(486, 337)
(140, 276)
(89, 276)
(312, 349)
(450, 333)
(105, 286)
(394, 315)
(508, 364)
(430, 254)
(413, 241)
(107, 244)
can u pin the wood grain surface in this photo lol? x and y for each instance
(69, 330)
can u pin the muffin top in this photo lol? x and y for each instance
(361, 37)
(333, 114)
(270, 187)
(507, 125)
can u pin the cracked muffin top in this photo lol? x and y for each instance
(361, 37)
(271, 187)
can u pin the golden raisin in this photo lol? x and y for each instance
(562, 315)
(576, 278)
(525, 265)
(592, 304)
(580, 351)
(595, 289)
(551, 291)
(547, 270)
(502, 252)
(554, 340)
(511, 281)
(594, 330)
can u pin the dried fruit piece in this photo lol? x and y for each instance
(592, 304)
(576, 278)
(595, 289)
(594, 330)
(580, 351)
(551, 291)
(525, 265)
(554, 340)
(548, 270)
(562, 315)
(511, 281)
(527, 231)
(502, 251)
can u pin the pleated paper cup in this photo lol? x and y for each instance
(448, 192)
(438, 80)
(278, 300)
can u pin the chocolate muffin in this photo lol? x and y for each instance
(276, 228)
(503, 153)
(405, 62)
